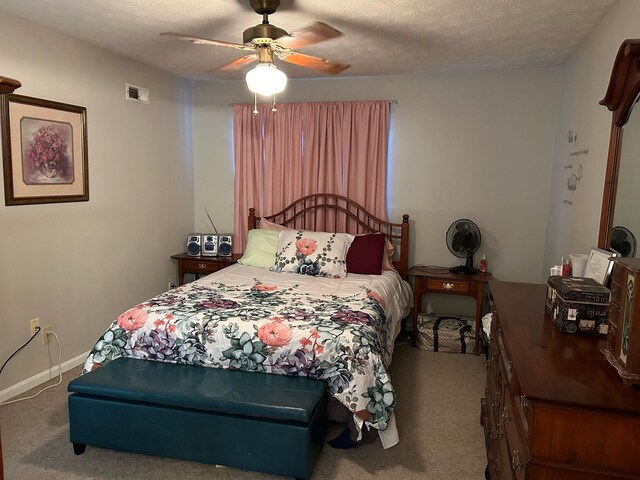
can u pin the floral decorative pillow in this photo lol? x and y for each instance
(313, 253)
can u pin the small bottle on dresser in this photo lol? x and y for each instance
(566, 268)
(483, 264)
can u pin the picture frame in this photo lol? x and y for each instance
(44, 151)
(599, 265)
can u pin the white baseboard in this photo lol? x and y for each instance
(40, 378)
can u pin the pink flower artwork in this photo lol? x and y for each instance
(306, 246)
(132, 319)
(46, 152)
(275, 334)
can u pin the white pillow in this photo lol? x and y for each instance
(261, 248)
(313, 253)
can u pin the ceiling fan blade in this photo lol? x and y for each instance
(315, 33)
(207, 41)
(315, 63)
(237, 63)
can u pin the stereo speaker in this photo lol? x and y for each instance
(194, 244)
(225, 247)
(209, 245)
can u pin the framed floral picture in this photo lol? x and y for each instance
(44, 151)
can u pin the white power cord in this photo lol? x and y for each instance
(49, 386)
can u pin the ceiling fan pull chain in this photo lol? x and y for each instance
(274, 109)
(255, 103)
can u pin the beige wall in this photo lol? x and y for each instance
(78, 265)
(573, 228)
(490, 146)
(476, 145)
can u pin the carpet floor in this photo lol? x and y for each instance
(438, 418)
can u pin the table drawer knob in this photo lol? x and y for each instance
(447, 285)
(202, 266)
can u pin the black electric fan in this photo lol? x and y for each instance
(463, 240)
(623, 241)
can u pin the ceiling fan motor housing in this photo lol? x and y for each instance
(264, 7)
(263, 30)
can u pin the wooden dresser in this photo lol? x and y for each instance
(554, 407)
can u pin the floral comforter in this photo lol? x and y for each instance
(247, 318)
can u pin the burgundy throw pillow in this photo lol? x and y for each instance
(365, 254)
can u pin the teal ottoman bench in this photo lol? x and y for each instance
(253, 421)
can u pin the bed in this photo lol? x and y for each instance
(294, 319)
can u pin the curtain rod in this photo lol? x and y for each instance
(391, 102)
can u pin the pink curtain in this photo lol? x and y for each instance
(365, 155)
(248, 147)
(305, 148)
(283, 159)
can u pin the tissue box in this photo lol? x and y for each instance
(578, 305)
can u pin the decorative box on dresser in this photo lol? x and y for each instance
(554, 408)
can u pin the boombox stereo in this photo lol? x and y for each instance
(225, 247)
(194, 244)
(209, 245)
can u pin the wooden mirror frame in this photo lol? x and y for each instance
(8, 85)
(621, 95)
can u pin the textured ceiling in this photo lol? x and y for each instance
(382, 37)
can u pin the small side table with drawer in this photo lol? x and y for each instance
(201, 265)
(439, 280)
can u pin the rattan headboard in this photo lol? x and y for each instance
(335, 213)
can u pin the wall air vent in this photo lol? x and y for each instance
(136, 93)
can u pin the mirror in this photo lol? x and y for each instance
(626, 217)
(620, 219)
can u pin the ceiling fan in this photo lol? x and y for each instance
(264, 40)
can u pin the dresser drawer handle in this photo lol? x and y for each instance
(202, 266)
(515, 461)
(448, 286)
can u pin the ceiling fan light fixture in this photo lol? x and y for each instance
(265, 79)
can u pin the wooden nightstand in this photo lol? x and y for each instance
(201, 265)
(432, 280)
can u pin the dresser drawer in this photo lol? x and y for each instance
(495, 392)
(496, 444)
(504, 360)
(448, 286)
(517, 444)
(524, 407)
(203, 266)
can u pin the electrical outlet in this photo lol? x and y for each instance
(35, 323)
(45, 334)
